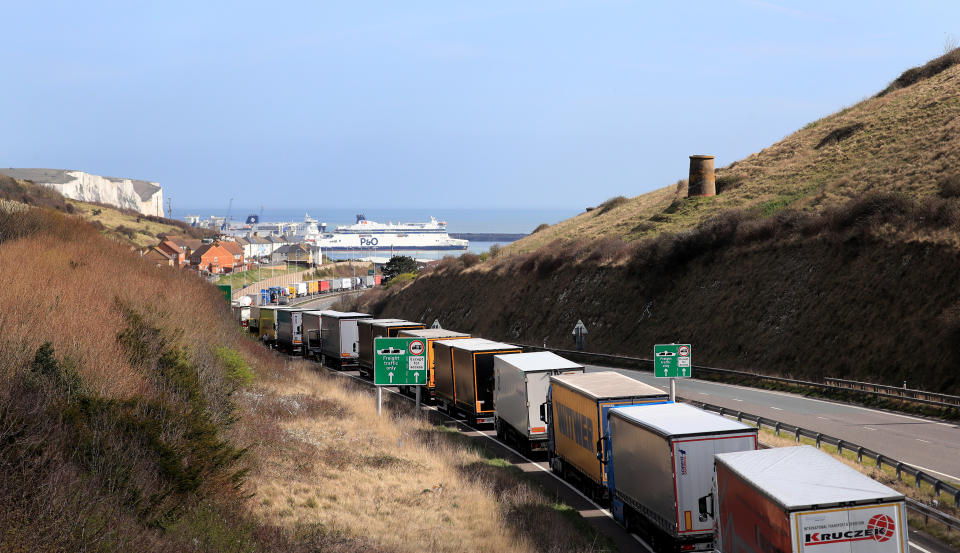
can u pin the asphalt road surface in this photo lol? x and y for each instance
(538, 470)
(931, 445)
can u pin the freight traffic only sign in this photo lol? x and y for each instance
(399, 362)
(672, 361)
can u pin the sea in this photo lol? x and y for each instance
(506, 221)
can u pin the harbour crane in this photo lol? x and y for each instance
(226, 220)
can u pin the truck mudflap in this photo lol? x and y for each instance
(700, 541)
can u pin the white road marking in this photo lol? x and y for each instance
(924, 441)
(703, 393)
(777, 408)
(823, 418)
(918, 548)
(870, 429)
(931, 471)
(735, 399)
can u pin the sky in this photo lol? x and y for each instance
(387, 104)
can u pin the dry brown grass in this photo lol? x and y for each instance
(121, 422)
(394, 483)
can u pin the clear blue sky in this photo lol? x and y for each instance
(436, 104)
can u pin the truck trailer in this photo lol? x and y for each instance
(661, 463)
(311, 334)
(521, 381)
(339, 337)
(464, 376)
(370, 330)
(801, 500)
(430, 335)
(267, 325)
(290, 330)
(577, 407)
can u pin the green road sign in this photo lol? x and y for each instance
(672, 361)
(400, 361)
(227, 291)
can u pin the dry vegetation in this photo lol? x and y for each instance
(395, 483)
(131, 226)
(906, 140)
(135, 416)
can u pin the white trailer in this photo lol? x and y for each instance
(369, 281)
(521, 381)
(346, 283)
(301, 289)
(801, 500)
(661, 464)
(340, 337)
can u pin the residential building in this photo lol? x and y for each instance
(160, 256)
(215, 258)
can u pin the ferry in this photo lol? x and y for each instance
(370, 236)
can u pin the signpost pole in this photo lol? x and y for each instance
(379, 400)
(418, 398)
(673, 390)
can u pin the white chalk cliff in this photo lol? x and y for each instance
(139, 195)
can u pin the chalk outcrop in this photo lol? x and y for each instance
(139, 195)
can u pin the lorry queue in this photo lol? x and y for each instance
(686, 479)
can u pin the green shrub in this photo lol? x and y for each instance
(400, 279)
(611, 204)
(236, 369)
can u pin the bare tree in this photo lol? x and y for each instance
(950, 43)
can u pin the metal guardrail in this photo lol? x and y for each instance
(894, 391)
(819, 438)
(932, 399)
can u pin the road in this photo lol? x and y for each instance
(538, 470)
(931, 445)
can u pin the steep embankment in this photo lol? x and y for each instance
(904, 140)
(136, 416)
(832, 252)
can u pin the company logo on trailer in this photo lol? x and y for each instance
(683, 462)
(880, 528)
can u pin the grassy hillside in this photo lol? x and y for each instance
(131, 226)
(806, 295)
(906, 139)
(833, 252)
(136, 416)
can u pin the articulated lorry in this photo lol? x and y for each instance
(430, 335)
(290, 330)
(521, 381)
(464, 376)
(340, 337)
(370, 330)
(661, 464)
(801, 500)
(577, 407)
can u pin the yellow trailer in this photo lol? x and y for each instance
(268, 324)
(577, 406)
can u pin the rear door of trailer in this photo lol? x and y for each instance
(693, 473)
(877, 528)
(349, 339)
